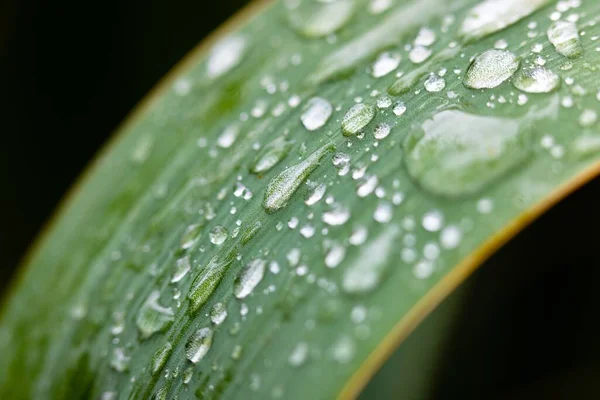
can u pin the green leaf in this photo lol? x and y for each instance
(290, 203)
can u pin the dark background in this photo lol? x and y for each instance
(70, 72)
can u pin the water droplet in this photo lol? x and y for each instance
(357, 117)
(491, 16)
(423, 269)
(367, 269)
(434, 83)
(190, 236)
(225, 55)
(586, 145)
(293, 257)
(198, 345)
(384, 102)
(315, 19)
(485, 206)
(418, 54)
(359, 236)
(335, 255)
(218, 313)
(218, 234)
(316, 195)
(425, 37)
(271, 155)
(343, 350)
(119, 361)
(208, 280)
(383, 212)
(153, 317)
(187, 375)
(379, 6)
(588, 117)
(490, 69)
(382, 131)
(316, 114)
(367, 187)
(299, 355)
(536, 80)
(338, 215)
(450, 237)
(307, 231)
(399, 108)
(237, 352)
(248, 278)
(182, 267)
(228, 136)
(385, 63)
(283, 186)
(160, 358)
(433, 221)
(456, 153)
(564, 37)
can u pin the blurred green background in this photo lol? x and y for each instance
(70, 72)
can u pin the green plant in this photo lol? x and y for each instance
(287, 207)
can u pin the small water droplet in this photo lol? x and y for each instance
(382, 131)
(182, 267)
(536, 80)
(564, 37)
(228, 136)
(433, 221)
(218, 234)
(384, 101)
(490, 69)
(271, 155)
(283, 186)
(357, 117)
(383, 212)
(249, 277)
(335, 255)
(399, 108)
(190, 236)
(316, 114)
(343, 350)
(434, 83)
(218, 313)
(418, 54)
(367, 187)
(338, 215)
(450, 237)
(187, 375)
(366, 271)
(588, 117)
(315, 19)
(385, 63)
(316, 195)
(120, 361)
(225, 55)
(153, 317)
(298, 355)
(425, 37)
(198, 344)
(359, 236)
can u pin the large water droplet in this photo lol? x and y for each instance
(564, 37)
(367, 269)
(491, 16)
(283, 186)
(490, 69)
(385, 63)
(225, 55)
(153, 317)
(249, 277)
(208, 280)
(316, 114)
(198, 345)
(271, 155)
(314, 19)
(218, 234)
(536, 80)
(456, 153)
(218, 313)
(357, 117)
(160, 358)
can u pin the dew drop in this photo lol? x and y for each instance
(384, 101)
(335, 255)
(271, 155)
(160, 358)
(385, 63)
(588, 117)
(198, 344)
(491, 16)
(382, 131)
(315, 19)
(182, 267)
(359, 236)
(383, 212)
(338, 215)
(119, 360)
(425, 37)
(434, 83)
(249, 277)
(228, 136)
(433, 221)
(343, 350)
(450, 237)
(208, 280)
(316, 114)
(153, 317)
(368, 186)
(564, 37)
(418, 54)
(490, 69)
(357, 117)
(298, 355)
(283, 186)
(190, 236)
(316, 195)
(536, 80)
(218, 313)
(399, 108)
(364, 274)
(218, 234)
(225, 56)
(456, 153)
